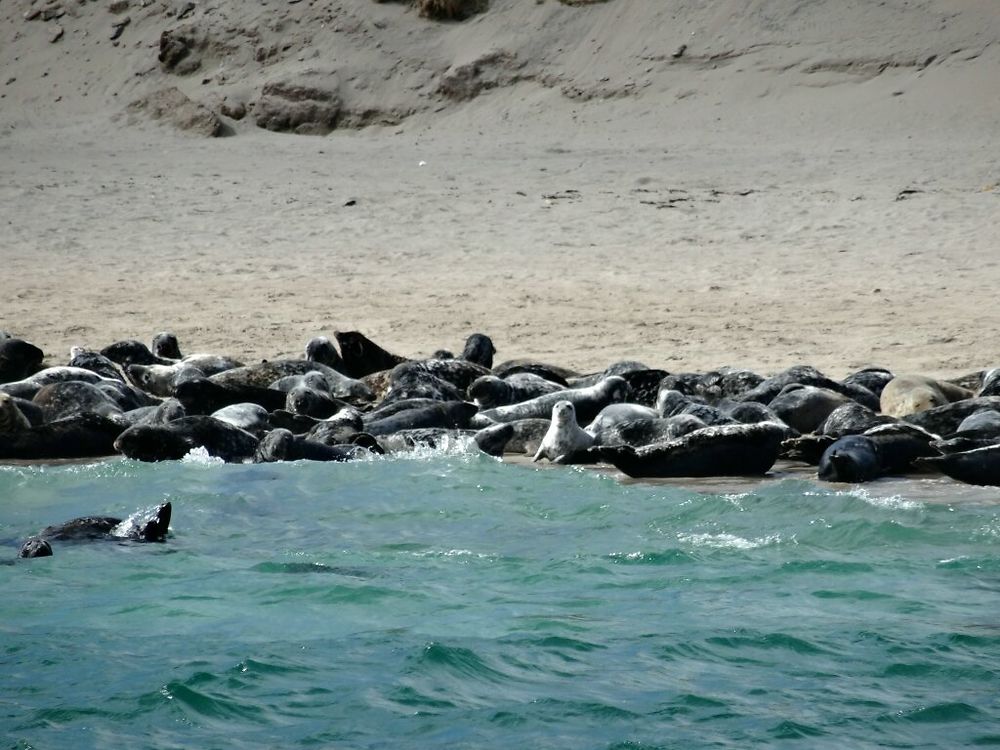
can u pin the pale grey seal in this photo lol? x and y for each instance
(565, 437)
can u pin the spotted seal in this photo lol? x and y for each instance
(586, 401)
(489, 391)
(565, 438)
(447, 414)
(162, 380)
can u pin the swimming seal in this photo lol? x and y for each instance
(564, 438)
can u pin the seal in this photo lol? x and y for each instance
(95, 362)
(909, 394)
(852, 418)
(84, 435)
(493, 440)
(253, 418)
(141, 526)
(564, 438)
(614, 414)
(132, 352)
(479, 349)
(167, 411)
(204, 396)
(979, 466)
(944, 420)
(12, 419)
(162, 380)
(489, 391)
(176, 439)
(872, 378)
(671, 403)
(587, 402)
(362, 356)
(35, 548)
(768, 389)
(556, 374)
(853, 458)
(724, 450)
(29, 386)
(18, 359)
(263, 374)
(165, 346)
(312, 402)
(414, 380)
(715, 385)
(282, 445)
(647, 431)
(805, 407)
(454, 415)
(321, 349)
(61, 400)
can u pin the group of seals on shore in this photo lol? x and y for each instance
(355, 399)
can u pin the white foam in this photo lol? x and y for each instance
(893, 501)
(728, 541)
(200, 456)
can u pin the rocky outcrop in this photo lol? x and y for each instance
(304, 108)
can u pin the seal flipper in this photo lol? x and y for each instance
(155, 528)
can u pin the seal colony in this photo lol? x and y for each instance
(355, 400)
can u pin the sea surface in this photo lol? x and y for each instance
(449, 600)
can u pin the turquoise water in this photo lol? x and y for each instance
(452, 601)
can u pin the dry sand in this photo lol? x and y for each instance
(593, 197)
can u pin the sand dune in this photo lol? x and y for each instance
(690, 184)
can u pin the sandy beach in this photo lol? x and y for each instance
(757, 184)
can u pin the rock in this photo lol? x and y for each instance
(235, 109)
(292, 107)
(173, 106)
(468, 80)
(57, 34)
(118, 6)
(177, 50)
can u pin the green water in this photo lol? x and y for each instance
(452, 601)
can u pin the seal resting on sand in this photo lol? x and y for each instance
(723, 450)
(564, 437)
(909, 394)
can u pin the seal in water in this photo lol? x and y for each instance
(35, 548)
(909, 394)
(979, 466)
(176, 439)
(565, 437)
(853, 458)
(141, 526)
(724, 450)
